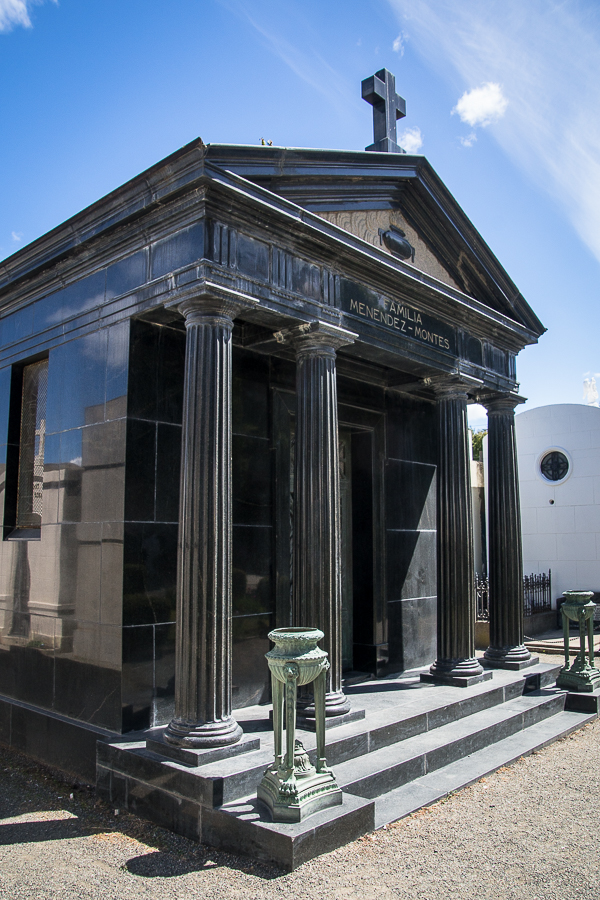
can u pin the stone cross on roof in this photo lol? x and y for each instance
(380, 91)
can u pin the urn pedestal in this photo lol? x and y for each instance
(292, 788)
(582, 675)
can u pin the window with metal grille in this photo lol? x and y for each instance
(554, 466)
(31, 445)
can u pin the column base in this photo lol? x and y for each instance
(456, 672)
(210, 734)
(513, 658)
(200, 756)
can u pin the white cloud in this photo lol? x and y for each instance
(546, 55)
(398, 45)
(469, 140)
(306, 63)
(482, 105)
(17, 236)
(16, 12)
(411, 140)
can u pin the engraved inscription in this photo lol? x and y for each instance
(402, 318)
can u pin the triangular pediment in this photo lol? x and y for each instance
(356, 191)
(371, 224)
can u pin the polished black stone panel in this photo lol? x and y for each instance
(72, 585)
(250, 676)
(87, 677)
(412, 430)
(358, 395)
(69, 450)
(156, 370)
(252, 257)
(54, 740)
(148, 685)
(142, 383)
(168, 463)
(111, 577)
(306, 279)
(252, 481)
(412, 632)
(149, 572)
(410, 495)
(85, 473)
(116, 370)
(77, 298)
(164, 673)
(252, 585)
(250, 394)
(168, 811)
(177, 251)
(411, 564)
(77, 383)
(141, 470)
(62, 477)
(5, 379)
(26, 670)
(137, 677)
(472, 349)
(103, 476)
(5, 721)
(16, 326)
(2, 483)
(126, 274)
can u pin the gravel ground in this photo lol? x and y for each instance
(529, 830)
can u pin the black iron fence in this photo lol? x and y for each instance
(538, 593)
(482, 591)
(537, 590)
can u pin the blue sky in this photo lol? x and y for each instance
(503, 98)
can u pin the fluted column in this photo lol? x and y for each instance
(317, 576)
(456, 662)
(506, 648)
(203, 638)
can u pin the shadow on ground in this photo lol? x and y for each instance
(169, 865)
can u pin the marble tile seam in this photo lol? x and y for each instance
(506, 716)
(436, 785)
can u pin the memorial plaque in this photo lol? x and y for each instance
(396, 316)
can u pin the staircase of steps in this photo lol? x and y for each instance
(416, 744)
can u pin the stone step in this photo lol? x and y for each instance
(434, 786)
(406, 709)
(390, 767)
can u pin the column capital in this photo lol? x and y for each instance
(205, 298)
(316, 337)
(453, 387)
(499, 402)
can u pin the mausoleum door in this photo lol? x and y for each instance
(355, 458)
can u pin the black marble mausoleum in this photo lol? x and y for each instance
(232, 397)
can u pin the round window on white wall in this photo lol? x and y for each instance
(554, 465)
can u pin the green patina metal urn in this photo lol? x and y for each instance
(292, 788)
(583, 674)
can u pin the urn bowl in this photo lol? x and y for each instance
(296, 648)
